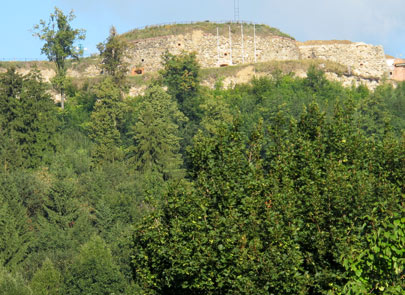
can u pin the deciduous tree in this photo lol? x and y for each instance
(94, 271)
(59, 37)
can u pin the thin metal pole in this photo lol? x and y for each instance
(254, 40)
(236, 10)
(243, 49)
(218, 44)
(230, 44)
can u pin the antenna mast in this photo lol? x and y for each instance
(236, 10)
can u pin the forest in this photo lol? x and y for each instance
(283, 185)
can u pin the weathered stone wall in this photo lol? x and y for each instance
(212, 51)
(362, 59)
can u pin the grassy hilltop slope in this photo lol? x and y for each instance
(208, 27)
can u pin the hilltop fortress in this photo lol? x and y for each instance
(219, 45)
(251, 48)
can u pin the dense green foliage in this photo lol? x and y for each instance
(94, 271)
(47, 280)
(27, 121)
(283, 185)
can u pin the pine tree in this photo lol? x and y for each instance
(27, 117)
(106, 120)
(156, 140)
(65, 224)
(15, 235)
(181, 75)
(114, 52)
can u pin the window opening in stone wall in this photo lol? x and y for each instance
(178, 44)
(226, 54)
(223, 65)
(143, 60)
(137, 71)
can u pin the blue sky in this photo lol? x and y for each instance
(379, 22)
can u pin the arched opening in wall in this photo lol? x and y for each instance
(137, 71)
(361, 65)
(142, 60)
(226, 54)
(178, 44)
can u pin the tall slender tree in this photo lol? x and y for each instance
(156, 135)
(114, 52)
(59, 37)
(106, 119)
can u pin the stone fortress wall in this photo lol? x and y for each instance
(212, 50)
(364, 60)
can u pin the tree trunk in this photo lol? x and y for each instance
(62, 100)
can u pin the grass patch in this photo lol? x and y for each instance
(270, 67)
(294, 65)
(215, 73)
(207, 27)
(83, 63)
(325, 42)
(79, 65)
(142, 80)
(26, 64)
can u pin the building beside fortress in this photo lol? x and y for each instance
(396, 68)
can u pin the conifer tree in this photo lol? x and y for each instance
(27, 118)
(181, 75)
(156, 140)
(65, 224)
(114, 52)
(106, 120)
(15, 235)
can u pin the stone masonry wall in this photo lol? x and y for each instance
(362, 59)
(146, 53)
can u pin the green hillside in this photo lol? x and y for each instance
(208, 27)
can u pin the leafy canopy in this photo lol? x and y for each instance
(59, 38)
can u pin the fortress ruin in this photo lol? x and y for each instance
(219, 45)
